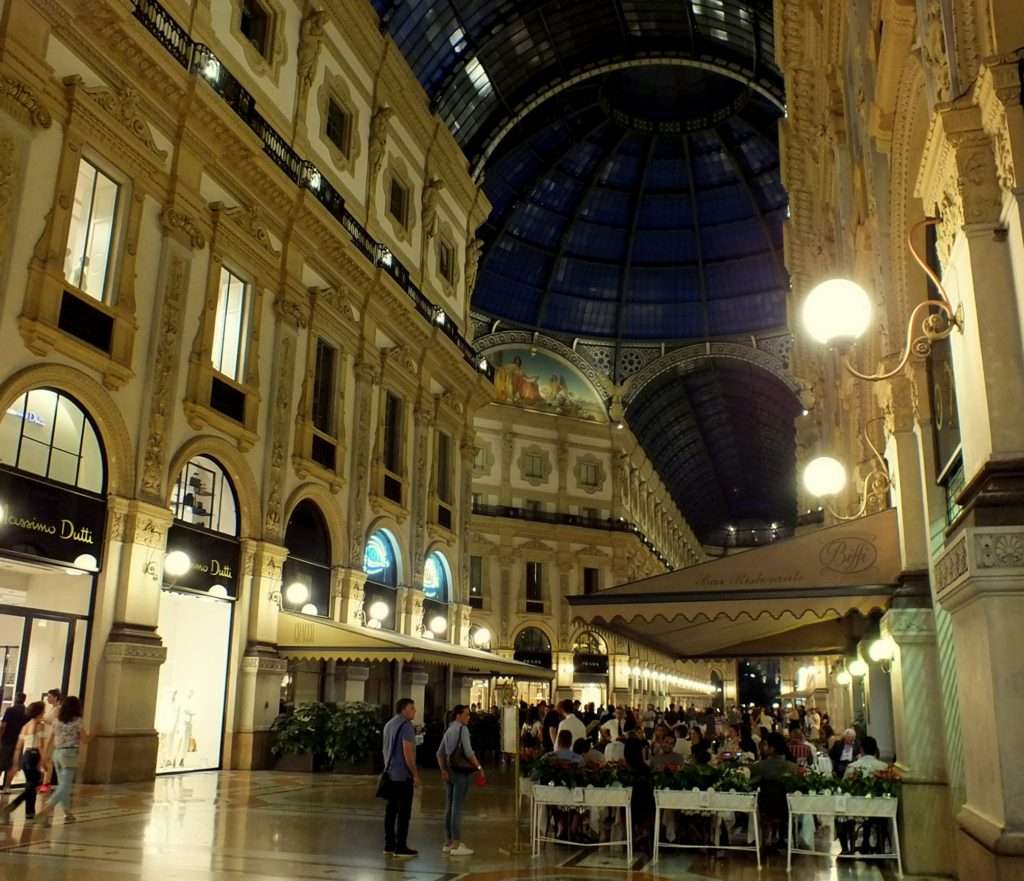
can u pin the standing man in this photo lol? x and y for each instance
(571, 722)
(400, 776)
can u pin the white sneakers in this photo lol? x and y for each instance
(460, 851)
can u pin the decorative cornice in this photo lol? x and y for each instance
(21, 102)
(178, 221)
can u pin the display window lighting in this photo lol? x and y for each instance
(438, 625)
(296, 593)
(379, 611)
(481, 637)
(86, 561)
(310, 609)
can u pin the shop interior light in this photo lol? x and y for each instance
(310, 609)
(481, 637)
(379, 611)
(218, 590)
(882, 650)
(858, 667)
(824, 476)
(844, 678)
(296, 593)
(177, 563)
(438, 624)
(86, 561)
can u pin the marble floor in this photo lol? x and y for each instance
(267, 826)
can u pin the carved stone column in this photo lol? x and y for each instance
(366, 380)
(563, 475)
(410, 610)
(509, 599)
(929, 832)
(507, 451)
(259, 693)
(414, 684)
(347, 594)
(424, 487)
(353, 679)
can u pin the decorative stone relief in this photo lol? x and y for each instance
(379, 129)
(178, 220)
(1000, 551)
(483, 459)
(311, 34)
(953, 564)
(123, 105)
(21, 102)
(248, 218)
(164, 374)
(934, 53)
(431, 197)
(366, 379)
(280, 431)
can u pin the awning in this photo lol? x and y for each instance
(785, 598)
(302, 638)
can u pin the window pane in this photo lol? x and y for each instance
(90, 472)
(34, 457)
(39, 415)
(67, 430)
(100, 237)
(323, 388)
(78, 232)
(229, 326)
(63, 467)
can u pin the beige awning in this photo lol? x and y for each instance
(787, 597)
(302, 638)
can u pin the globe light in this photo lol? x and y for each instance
(310, 609)
(858, 667)
(177, 563)
(438, 624)
(824, 476)
(637, 672)
(481, 637)
(882, 650)
(86, 561)
(837, 312)
(843, 678)
(296, 593)
(218, 590)
(379, 611)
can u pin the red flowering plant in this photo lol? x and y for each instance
(881, 784)
(549, 771)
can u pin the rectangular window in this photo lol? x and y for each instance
(255, 25)
(393, 433)
(398, 201)
(532, 507)
(231, 326)
(588, 513)
(478, 500)
(591, 579)
(444, 467)
(91, 235)
(339, 126)
(323, 387)
(479, 461)
(534, 466)
(446, 261)
(588, 474)
(476, 582)
(534, 581)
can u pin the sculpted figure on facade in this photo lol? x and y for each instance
(431, 198)
(311, 33)
(379, 128)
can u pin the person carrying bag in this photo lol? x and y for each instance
(458, 764)
(399, 778)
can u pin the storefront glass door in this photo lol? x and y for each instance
(12, 631)
(40, 652)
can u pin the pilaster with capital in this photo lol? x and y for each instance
(509, 597)
(467, 454)
(507, 451)
(262, 566)
(367, 378)
(423, 481)
(347, 595)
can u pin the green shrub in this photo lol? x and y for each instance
(349, 733)
(354, 734)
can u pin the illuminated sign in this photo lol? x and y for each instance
(377, 557)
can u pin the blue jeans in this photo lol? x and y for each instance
(65, 777)
(455, 796)
(30, 761)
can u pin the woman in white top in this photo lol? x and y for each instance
(31, 752)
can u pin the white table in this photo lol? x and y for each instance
(845, 807)
(544, 797)
(704, 802)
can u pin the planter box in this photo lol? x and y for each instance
(296, 763)
(594, 797)
(705, 800)
(557, 795)
(843, 805)
(608, 796)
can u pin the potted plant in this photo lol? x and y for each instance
(354, 738)
(300, 738)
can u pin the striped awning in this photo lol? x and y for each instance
(302, 638)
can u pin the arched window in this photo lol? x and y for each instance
(532, 646)
(589, 657)
(436, 583)
(306, 576)
(47, 433)
(203, 496)
(589, 643)
(380, 561)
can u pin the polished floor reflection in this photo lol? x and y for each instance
(240, 825)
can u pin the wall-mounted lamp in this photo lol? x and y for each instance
(375, 616)
(844, 678)
(882, 651)
(825, 477)
(481, 637)
(838, 311)
(858, 668)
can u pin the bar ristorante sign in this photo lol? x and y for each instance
(45, 520)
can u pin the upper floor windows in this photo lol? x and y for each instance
(446, 261)
(588, 474)
(393, 427)
(339, 126)
(444, 467)
(256, 25)
(324, 371)
(231, 326)
(398, 201)
(534, 466)
(91, 233)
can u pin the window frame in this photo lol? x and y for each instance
(529, 471)
(266, 50)
(402, 218)
(344, 148)
(476, 581)
(446, 247)
(110, 272)
(244, 336)
(331, 431)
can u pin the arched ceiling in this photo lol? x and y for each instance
(630, 151)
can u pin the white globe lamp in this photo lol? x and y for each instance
(309, 609)
(296, 593)
(837, 312)
(177, 563)
(86, 561)
(843, 678)
(438, 625)
(882, 650)
(379, 611)
(824, 476)
(481, 637)
(858, 667)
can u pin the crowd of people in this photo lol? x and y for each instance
(776, 742)
(41, 740)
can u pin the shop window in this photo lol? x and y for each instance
(534, 466)
(339, 126)
(532, 646)
(203, 496)
(380, 562)
(446, 261)
(436, 584)
(534, 586)
(476, 582)
(591, 579)
(230, 326)
(91, 234)
(324, 387)
(306, 575)
(255, 25)
(46, 433)
(398, 201)
(588, 474)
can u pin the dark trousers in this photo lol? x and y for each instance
(33, 777)
(396, 817)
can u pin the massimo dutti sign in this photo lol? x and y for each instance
(214, 559)
(45, 520)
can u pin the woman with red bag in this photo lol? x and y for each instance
(458, 765)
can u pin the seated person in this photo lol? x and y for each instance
(771, 775)
(588, 753)
(683, 745)
(869, 763)
(667, 755)
(801, 751)
(616, 750)
(604, 738)
(563, 749)
(844, 751)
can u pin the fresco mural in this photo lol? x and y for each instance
(542, 382)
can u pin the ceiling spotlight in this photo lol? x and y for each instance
(858, 667)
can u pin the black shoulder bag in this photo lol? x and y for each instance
(385, 785)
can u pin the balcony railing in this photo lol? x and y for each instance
(200, 60)
(560, 519)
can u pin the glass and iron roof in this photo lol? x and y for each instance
(629, 149)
